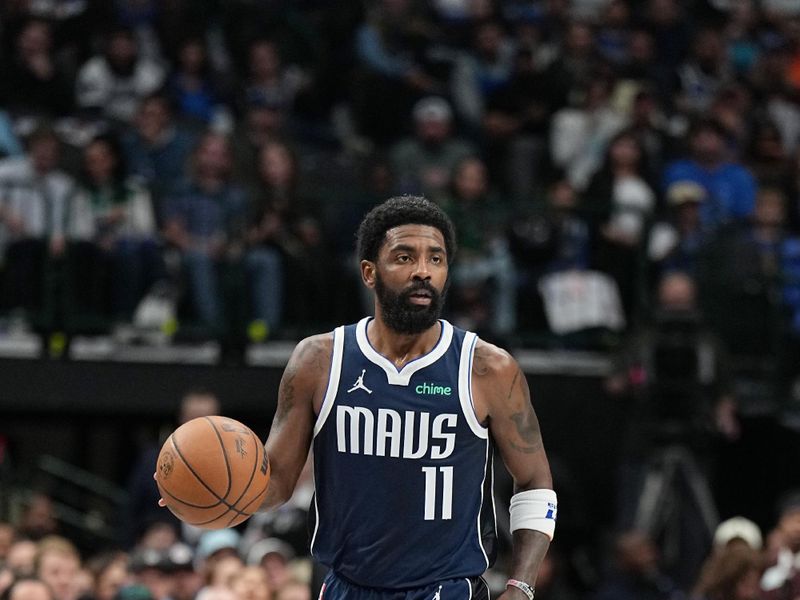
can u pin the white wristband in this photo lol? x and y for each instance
(534, 509)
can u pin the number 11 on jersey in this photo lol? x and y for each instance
(431, 477)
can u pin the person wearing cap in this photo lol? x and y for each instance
(217, 543)
(424, 162)
(738, 530)
(730, 187)
(674, 243)
(273, 556)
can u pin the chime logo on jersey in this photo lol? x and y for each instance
(433, 389)
(387, 432)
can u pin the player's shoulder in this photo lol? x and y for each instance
(313, 351)
(492, 362)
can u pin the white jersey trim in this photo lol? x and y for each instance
(402, 376)
(486, 467)
(333, 379)
(465, 385)
(316, 520)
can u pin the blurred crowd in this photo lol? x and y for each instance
(201, 167)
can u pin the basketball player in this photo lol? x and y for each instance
(404, 412)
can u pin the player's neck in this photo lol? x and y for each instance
(401, 348)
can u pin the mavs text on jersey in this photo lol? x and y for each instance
(402, 467)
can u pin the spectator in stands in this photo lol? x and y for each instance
(782, 577)
(21, 557)
(58, 564)
(150, 569)
(34, 83)
(109, 571)
(223, 571)
(29, 588)
(157, 148)
(390, 48)
(580, 133)
(204, 220)
(622, 202)
(262, 122)
(766, 157)
(123, 224)
(38, 520)
(251, 583)
(269, 81)
(187, 580)
(424, 163)
(483, 295)
(574, 69)
(197, 92)
(676, 242)
(730, 573)
(704, 73)
(112, 84)
(272, 557)
(651, 127)
(730, 187)
(738, 531)
(613, 34)
(37, 200)
(478, 73)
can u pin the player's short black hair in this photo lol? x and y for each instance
(402, 210)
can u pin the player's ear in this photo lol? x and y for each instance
(368, 273)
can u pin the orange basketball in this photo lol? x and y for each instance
(213, 472)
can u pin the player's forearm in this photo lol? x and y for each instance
(529, 549)
(278, 493)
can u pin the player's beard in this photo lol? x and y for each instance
(401, 315)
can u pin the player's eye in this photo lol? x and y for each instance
(436, 259)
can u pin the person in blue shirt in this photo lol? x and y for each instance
(731, 187)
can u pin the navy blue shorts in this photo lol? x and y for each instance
(338, 588)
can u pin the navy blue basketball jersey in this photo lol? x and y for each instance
(402, 467)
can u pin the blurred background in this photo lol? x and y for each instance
(180, 185)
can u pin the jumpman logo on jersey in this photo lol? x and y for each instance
(359, 384)
(438, 594)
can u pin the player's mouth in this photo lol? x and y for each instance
(421, 297)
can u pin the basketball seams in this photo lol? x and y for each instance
(224, 454)
(252, 475)
(199, 479)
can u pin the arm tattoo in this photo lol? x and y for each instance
(479, 364)
(525, 422)
(286, 396)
